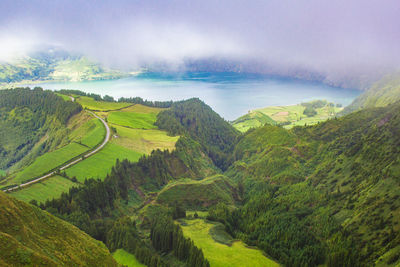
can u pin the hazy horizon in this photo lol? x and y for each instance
(339, 40)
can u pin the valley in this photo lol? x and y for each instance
(199, 133)
(255, 192)
(94, 146)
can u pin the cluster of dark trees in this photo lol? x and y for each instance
(96, 97)
(107, 98)
(92, 207)
(139, 100)
(39, 101)
(197, 120)
(124, 234)
(167, 237)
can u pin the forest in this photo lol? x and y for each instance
(321, 194)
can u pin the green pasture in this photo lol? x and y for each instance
(133, 120)
(48, 161)
(47, 189)
(221, 255)
(100, 164)
(143, 140)
(126, 259)
(90, 133)
(90, 103)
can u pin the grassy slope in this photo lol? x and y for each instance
(382, 93)
(197, 193)
(56, 66)
(90, 103)
(30, 236)
(65, 97)
(47, 189)
(143, 141)
(252, 120)
(345, 169)
(126, 259)
(133, 120)
(49, 161)
(128, 144)
(88, 133)
(220, 254)
(290, 115)
(99, 165)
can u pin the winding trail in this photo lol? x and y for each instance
(63, 167)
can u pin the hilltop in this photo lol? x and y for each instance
(382, 93)
(307, 113)
(54, 65)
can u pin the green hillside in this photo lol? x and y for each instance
(307, 113)
(204, 234)
(324, 194)
(382, 93)
(195, 194)
(53, 65)
(31, 237)
(331, 187)
(32, 127)
(253, 119)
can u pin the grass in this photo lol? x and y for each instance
(194, 194)
(48, 161)
(144, 140)
(100, 164)
(138, 108)
(288, 116)
(252, 120)
(90, 103)
(47, 189)
(2, 173)
(294, 114)
(65, 97)
(32, 237)
(238, 254)
(90, 133)
(126, 259)
(133, 120)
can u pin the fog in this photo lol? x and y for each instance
(353, 40)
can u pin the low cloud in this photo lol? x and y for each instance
(338, 39)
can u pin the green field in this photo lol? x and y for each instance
(221, 255)
(197, 194)
(144, 140)
(252, 120)
(65, 97)
(138, 108)
(90, 103)
(89, 134)
(133, 120)
(49, 161)
(126, 259)
(2, 173)
(288, 116)
(99, 165)
(48, 189)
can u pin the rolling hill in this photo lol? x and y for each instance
(53, 64)
(382, 93)
(32, 237)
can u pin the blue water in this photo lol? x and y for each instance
(229, 94)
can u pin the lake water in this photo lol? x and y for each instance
(229, 94)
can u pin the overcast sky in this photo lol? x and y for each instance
(335, 36)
